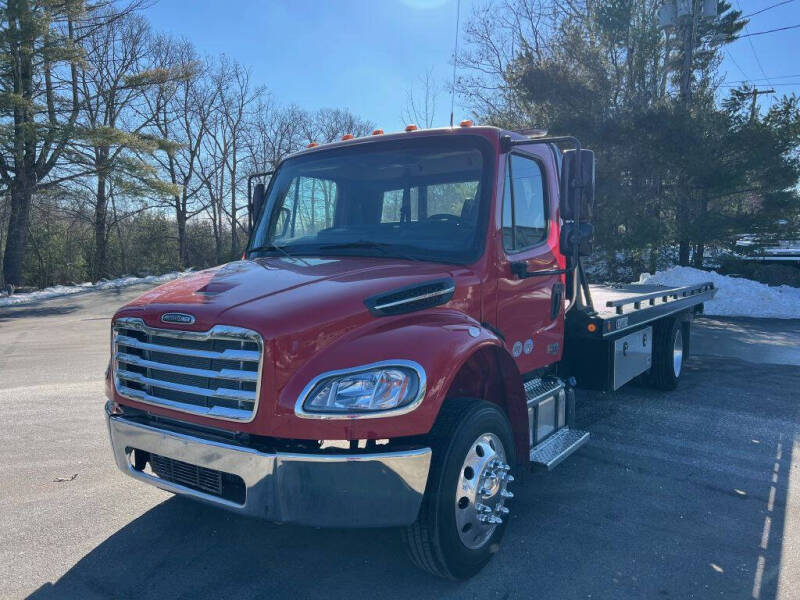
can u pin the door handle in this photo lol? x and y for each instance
(520, 269)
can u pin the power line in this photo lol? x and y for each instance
(733, 60)
(768, 31)
(762, 78)
(758, 12)
(753, 48)
(790, 83)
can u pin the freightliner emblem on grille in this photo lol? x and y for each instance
(173, 317)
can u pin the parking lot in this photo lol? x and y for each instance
(688, 494)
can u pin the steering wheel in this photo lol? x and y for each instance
(445, 217)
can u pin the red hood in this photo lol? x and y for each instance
(302, 309)
(271, 289)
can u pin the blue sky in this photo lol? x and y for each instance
(364, 54)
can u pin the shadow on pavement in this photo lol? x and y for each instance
(35, 311)
(677, 495)
(773, 341)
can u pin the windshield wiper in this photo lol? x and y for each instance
(281, 249)
(382, 247)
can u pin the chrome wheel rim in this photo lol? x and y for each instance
(482, 491)
(677, 353)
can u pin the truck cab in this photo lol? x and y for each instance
(401, 337)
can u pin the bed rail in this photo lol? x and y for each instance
(667, 295)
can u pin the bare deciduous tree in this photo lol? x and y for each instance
(181, 107)
(420, 105)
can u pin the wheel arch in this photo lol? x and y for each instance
(490, 373)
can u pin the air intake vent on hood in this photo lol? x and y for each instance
(412, 298)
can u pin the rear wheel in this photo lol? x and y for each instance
(465, 509)
(670, 350)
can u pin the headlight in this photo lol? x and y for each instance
(373, 388)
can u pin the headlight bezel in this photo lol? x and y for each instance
(409, 365)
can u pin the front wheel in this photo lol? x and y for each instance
(465, 509)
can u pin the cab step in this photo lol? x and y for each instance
(557, 447)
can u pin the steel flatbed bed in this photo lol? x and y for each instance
(624, 308)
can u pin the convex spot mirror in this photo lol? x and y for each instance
(577, 237)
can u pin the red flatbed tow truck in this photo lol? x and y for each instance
(404, 333)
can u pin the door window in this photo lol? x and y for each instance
(307, 207)
(526, 224)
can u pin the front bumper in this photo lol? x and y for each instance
(324, 490)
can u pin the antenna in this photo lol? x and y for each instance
(455, 59)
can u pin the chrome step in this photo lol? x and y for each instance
(536, 389)
(558, 446)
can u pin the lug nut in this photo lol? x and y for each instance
(482, 508)
(491, 519)
(507, 494)
(501, 510)
(509, 478)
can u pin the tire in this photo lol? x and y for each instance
(670, 350)
(452, 538)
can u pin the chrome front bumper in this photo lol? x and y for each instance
(324, 490)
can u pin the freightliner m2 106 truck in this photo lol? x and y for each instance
(401, 338)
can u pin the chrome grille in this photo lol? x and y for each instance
(215, 373)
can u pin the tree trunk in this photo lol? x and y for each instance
(215, 226)
(234, 236)
(123, 252)
(183, 251)
(17, 237)
(684, 251)
(683, 218)
(699, 254)
(100, 267)
(22, 34)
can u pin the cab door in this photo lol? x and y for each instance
(530, 289)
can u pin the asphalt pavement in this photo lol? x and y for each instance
(687, 494)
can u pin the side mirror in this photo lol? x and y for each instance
(577, 188)
(257, 200)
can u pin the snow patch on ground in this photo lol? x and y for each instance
(736, 296)
(67, 290)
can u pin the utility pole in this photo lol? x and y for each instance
(754, 104)
(683, 16)
(688, 56)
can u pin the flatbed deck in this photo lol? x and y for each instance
(622, 308)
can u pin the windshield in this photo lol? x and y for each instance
(421, 200)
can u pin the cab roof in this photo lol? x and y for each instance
(486, 131)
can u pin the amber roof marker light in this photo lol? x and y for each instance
(377, 132)
(312, 145)
(347, 136)
(411, 127)
(466, 123)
